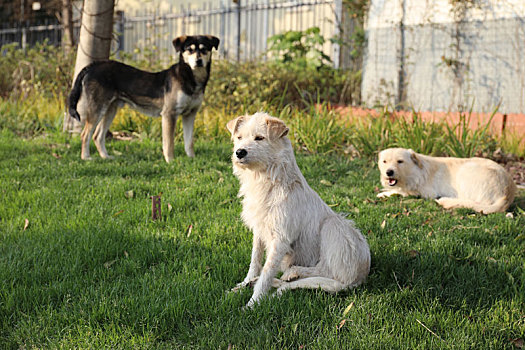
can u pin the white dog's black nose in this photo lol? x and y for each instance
(241, 153)
(389, 172)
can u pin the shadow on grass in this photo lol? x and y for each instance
(456, 281)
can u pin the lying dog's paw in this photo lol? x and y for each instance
(384, 194)
(290, 275)
(447, 203)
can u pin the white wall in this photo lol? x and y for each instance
(444, 63)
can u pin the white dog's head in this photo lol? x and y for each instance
(398, 167)
(258, 140)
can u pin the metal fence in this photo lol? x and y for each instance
(28, 35)
(243, 27)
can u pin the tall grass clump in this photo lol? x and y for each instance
(465, 142)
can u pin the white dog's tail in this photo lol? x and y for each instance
(500, 205)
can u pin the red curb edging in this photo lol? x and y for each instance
(512, 123)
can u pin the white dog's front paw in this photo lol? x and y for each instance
(244, 284)
(238, 287)
(250, 304)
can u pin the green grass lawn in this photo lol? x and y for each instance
(82, 265)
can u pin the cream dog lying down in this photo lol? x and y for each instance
(474, 183)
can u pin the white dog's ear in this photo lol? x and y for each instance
(276, 128)
(234, 124)
(415, 158)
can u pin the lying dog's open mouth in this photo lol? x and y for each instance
(391, 181)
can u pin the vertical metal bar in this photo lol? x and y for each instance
(265, 28)
(336, 48)
(238, 30)
(401, 57)
(222, 32)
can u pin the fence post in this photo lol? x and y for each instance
(238, 2)
(119, 19)
(401, 57)
(338, 9)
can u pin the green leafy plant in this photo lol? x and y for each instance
(300, 48)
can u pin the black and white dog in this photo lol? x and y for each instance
(103, 87)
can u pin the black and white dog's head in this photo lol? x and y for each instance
(196, 50)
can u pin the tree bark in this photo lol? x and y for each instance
(94, 42)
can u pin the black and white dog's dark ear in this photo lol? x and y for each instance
(415, 158)
(178, 43)
(214, 41)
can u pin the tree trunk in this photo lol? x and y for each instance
(68, 40)
(94, 43)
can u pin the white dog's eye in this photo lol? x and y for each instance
(259, 138)
(400, 161)
(239, 138)
(384, 161)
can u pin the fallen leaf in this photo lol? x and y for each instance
(518, 342)
(56, 155)
(341, 324)
(413, 253)
(520, 237)
(126, 254)
(326, 182)
(383, 224)
(190, 228)
(129, 194)
(26, 224)
(348, 308)
(294, 327)
(118, 213)
(108, 264)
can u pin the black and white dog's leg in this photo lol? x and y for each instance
(102, 128)
(188, 121)
(168, 129)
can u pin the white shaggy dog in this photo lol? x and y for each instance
(474, 183)
(302, 236)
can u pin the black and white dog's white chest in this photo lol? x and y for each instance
(186, 103)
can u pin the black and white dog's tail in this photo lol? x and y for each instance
(76, 92)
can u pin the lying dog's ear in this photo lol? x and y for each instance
(415, 158)
(178, 43)
(214, 41)
(276, 128)
(234, 124)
